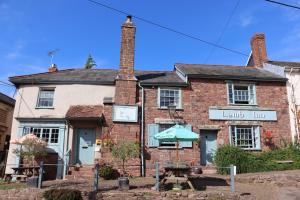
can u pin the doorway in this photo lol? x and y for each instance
(85, 145)
(208, 146)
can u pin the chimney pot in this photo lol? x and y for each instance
(259, 52)
(129, 19)
(53, 68)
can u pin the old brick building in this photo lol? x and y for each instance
(7, 105)
(225, 104)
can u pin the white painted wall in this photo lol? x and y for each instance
(64, 97)
(293, 97)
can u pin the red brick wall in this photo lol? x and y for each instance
(196, 100)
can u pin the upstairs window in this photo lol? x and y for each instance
(242, 94)
(168, 97)
(45, 98)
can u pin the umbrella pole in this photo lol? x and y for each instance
(177, 151)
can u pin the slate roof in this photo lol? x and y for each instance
(159, 78)
(6, 99)
(97, 76)
(228, 72)
(84, 76)
(84, 112)
(284, 63)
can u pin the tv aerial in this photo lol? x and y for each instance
(51, 54)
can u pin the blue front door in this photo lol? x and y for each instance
(208, 146)
(85, 145)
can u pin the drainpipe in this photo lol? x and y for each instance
(142, 133)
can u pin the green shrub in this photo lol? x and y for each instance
(62, 194)
(107, 172)
(228, 155)
(247, 161)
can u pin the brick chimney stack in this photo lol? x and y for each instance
(126, 83)
(53, 68)
(259, 52)
(127, 50)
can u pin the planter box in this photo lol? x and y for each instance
(32, 182)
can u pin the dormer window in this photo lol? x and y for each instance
(45, 98)
(241, 94)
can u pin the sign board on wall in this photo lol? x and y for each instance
(125, 113)
(242, 114)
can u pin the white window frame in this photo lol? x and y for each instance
(27, 129)
(255, 136)
(172, 144)
(251, 97)
(179, 106)
(39, 97)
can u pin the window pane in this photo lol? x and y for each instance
(169, 97)
(46, 98)
(46, 134)
(242, 136)
(241, 94)
(161, 128)
(54, 135)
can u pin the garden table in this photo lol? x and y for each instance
(28, 171)
(177, 171)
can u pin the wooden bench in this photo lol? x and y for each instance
(21, 178)
(284, 161)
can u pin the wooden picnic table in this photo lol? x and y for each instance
(28, 171)
(177, 171)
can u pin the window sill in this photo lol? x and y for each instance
(171, 148)
(232, 104)
(251, 149)
(52, 108)
(162, 108)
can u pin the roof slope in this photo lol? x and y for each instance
(6, 99)
(96, 76)
(228, 72)
(284, 63)
(84, 76)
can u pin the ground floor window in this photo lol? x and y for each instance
(245, 137)
(50, 135)
(162, 127)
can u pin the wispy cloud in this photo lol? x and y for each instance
(290, 45)
(246, 20)
(16, 52)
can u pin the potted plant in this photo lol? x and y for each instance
(30, 147)
(124, 151)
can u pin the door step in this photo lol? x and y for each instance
(83, 172)
(209, 170)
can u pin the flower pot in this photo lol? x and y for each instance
(197, 170)
(123, 183)
(32, 182)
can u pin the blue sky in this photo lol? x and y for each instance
(31, 28)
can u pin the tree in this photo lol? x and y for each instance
(90, 63)
(124, 151)
(30, 147)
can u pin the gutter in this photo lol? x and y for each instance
(142, 134)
